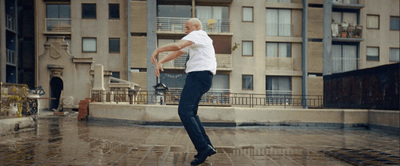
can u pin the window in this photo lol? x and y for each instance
(373, 21)
(113, 11)
(372, 54)
(184, 11)
(88, 10)
(89, 45)
(247, 82)
(279, 49)
(214, 18)
(247, 48)
(57, 14)
(394, 55)
(347, 17)
(173, 17)
(344, 58)
(247, 14)
(394, 23)
(115, 74)
(58, 11)
(113, 45)
(220, 83)
(279, 89)
(278, 22)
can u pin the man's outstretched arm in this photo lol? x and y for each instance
(170, 47)
(174, 47)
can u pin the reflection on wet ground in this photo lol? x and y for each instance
(65, 141)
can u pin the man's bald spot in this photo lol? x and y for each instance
(196, 22)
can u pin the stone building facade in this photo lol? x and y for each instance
(260, 44)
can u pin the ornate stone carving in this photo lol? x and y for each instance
(55, 48)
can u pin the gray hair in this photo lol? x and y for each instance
(197, 22)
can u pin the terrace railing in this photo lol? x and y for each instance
(58, 24)
(223, 99)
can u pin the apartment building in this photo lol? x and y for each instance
(16, 41)
(262, 46)
(71, 38)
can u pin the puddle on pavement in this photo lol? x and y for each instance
(102, 144)
(363, 156)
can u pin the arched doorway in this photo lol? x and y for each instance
(56, 87)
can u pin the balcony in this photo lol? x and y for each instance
(10, 57)
(224, 62)
(346, 33)
(177, 25)
(347, 4)
(10, 23)
(58, 25)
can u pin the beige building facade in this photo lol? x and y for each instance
(258, 43)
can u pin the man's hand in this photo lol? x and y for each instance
(158, 68)
(154, 57)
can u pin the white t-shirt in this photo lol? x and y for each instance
(202, 53)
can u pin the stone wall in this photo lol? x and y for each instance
(238, 116)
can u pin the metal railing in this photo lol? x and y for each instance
(280, 1)
(177, 24)
(58, 24)
(353, 2)
(223, 99)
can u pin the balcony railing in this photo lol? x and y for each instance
(347, 4)
(222, 98)
(280, 1)
(178, 62)
(10, 23)
(10, 56)
(224, 61)
(345, 30)
(58, 24)
(353, 2)
(177, 24)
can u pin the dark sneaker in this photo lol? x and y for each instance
(197, 155)
(202, 156)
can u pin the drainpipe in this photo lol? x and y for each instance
(327, 37)
(151, 42)
(193, 8)
(129, 41)
(304, 53)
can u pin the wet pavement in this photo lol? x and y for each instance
(63, 140)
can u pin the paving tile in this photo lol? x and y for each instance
(66, 141)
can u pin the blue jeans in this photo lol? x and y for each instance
(197, 83)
